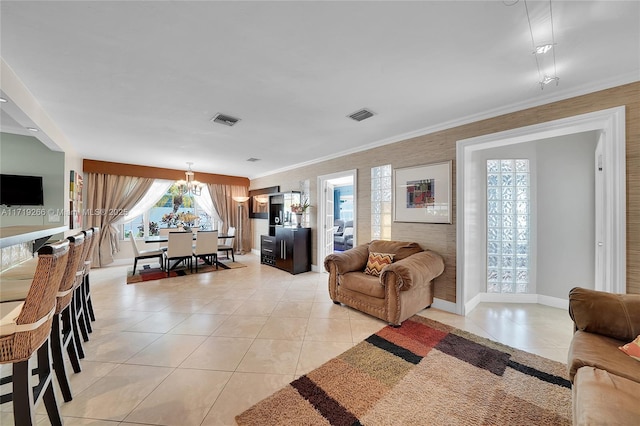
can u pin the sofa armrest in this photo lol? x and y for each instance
(419, 268)
(354, 259)
(608, 314)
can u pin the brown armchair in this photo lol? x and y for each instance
(403, 288)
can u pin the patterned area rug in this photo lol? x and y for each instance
(423, 373)
(147, 273)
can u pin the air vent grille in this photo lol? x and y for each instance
(253, 160)
(227, 120)
(363, 114)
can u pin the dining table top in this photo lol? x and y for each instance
(165, 238)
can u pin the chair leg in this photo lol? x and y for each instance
(24, 412)
(135, 263)
(68, 340)
(75, 323)
(85, 306)
(215, 259)
(80, 317)
(57, 357)
(233, 256)
(44, 375)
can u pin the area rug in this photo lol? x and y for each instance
(147, 273)
(423, 373)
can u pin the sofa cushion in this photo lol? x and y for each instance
(376, 262)
(399, 248)
(362, 283)
(632, 349)
(602, 398)
(589, 349)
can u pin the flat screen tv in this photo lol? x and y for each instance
(16, 190)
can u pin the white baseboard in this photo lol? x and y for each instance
(256, 252)
(444, 305)
(541, 299)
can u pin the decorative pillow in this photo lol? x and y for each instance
(632, 349)
(376, 262)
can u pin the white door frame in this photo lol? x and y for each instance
(321, 214)
(611, 122)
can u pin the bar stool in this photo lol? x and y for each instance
(62, 329)
(83, 322)
(25, 334)
(87, 304)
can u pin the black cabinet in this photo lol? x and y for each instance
(289, 249)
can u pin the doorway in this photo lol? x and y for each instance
(337, 213)
(611, 239)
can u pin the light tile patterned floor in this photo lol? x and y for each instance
(199, 349)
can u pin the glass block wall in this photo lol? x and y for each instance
(508, 226)
(381, 202)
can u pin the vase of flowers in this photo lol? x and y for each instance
(299, 209)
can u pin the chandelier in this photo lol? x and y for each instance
(189, 185)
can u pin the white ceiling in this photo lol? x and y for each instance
(138, 82)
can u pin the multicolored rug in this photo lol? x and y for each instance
(147, 273)
(423, 373)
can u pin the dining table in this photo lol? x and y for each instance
(165, 239)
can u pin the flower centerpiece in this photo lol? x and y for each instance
(171, 219)
(299, 209)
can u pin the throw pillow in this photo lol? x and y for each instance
(377, 261)
(632, 349)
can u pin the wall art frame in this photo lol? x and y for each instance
(259, 206)
(422, 194)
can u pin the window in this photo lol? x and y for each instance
(508, 226)
(381, 202)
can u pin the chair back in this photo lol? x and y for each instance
(92, 249)
(39, 305)
(74, 264)
(134, 245)
(206, 242)
(231, 232)
(180, 244)
(164, 232)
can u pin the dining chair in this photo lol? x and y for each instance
(87, 304)
(206, 247)
(83, 323)
(62, 328)
(25, 339)
(180, 250)
(164, 232)
(144, 254)
(227, 247)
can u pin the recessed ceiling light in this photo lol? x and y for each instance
(32, 129)
(3, 100)
(540, 50)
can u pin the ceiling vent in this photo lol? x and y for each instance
(227, 120)
(253, 160)
(363, 114)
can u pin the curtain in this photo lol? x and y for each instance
(227, 209)
(109, 198)
(206, 203)
(157, 190)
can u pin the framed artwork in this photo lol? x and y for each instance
(259, 202)
(423, 193)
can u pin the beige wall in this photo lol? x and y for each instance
(441, 146)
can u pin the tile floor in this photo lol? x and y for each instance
(197, 350)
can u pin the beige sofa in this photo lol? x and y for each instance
(606, 381)
(403, 288)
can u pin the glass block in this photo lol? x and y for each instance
(492, 262)
(493, 179)
(386, 170)
(522, 276)
(508, 221)
(493, 166)
(507, 194)
(507, 234)
(522, 248)
(493, 288)
(375, 184)
(492, 274)
(522, 179)
(493, 194)
(507, 207)
(386, 207)
(522, 207)
(507, 179)
(522, 165)
(522, 221)
(523, 235)
(375, 209)
(375, 233)
(494, 207)
(493, 221)
(522, 194)
(522, 261)
(493, 234)
(386, 194)
(507, 166)
(507, 287)
(507, 261)
(375, 219)
(507, 247)
(385, 183)
(522, 287)
(493, 248)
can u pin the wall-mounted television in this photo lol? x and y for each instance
(17, 190)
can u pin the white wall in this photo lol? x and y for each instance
(566, 214)
(563, 215)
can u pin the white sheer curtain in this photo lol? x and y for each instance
(206, 203)
(158, 188)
